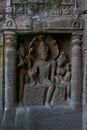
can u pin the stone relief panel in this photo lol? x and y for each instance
(39, 15)
(24, 23)
(44, 8)
(68, 7)
(20, 9)
(44, 72)
(64, 24)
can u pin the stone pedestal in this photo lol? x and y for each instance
(76, 81)
(43, 118)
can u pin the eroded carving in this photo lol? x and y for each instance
(54, 10)
(21, 63)
(63, 77)
(49, 8)
(24, 22)
(44, 71)
(38, 16)
(9, 23)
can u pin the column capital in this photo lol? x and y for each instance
(76, 39)
(9, 32)
(10, 38)
(1, 39)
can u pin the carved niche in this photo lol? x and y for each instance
(44, 72)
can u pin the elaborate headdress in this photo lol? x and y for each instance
(43, 49)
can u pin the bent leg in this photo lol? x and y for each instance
(49, 94)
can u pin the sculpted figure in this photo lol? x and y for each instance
(31, 75)
(63, 75)
(21, 57)
(66, 81)
(46, 72)
(21, 54)
(61, 62)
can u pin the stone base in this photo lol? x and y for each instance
(8, 119)
(43, 118)
(33, 95)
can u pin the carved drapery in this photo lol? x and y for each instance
(76, 82)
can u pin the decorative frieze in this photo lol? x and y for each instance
(37, 7)
(39, 15)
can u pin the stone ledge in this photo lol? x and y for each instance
(43, 118)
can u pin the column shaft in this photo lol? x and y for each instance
(10, 71)
(76, 81)
(1, 71)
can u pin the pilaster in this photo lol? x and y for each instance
(10, 80)
(76, 81)
(10, 70)
(1, 71)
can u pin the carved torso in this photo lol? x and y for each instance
(44, 70)
(61, 71)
